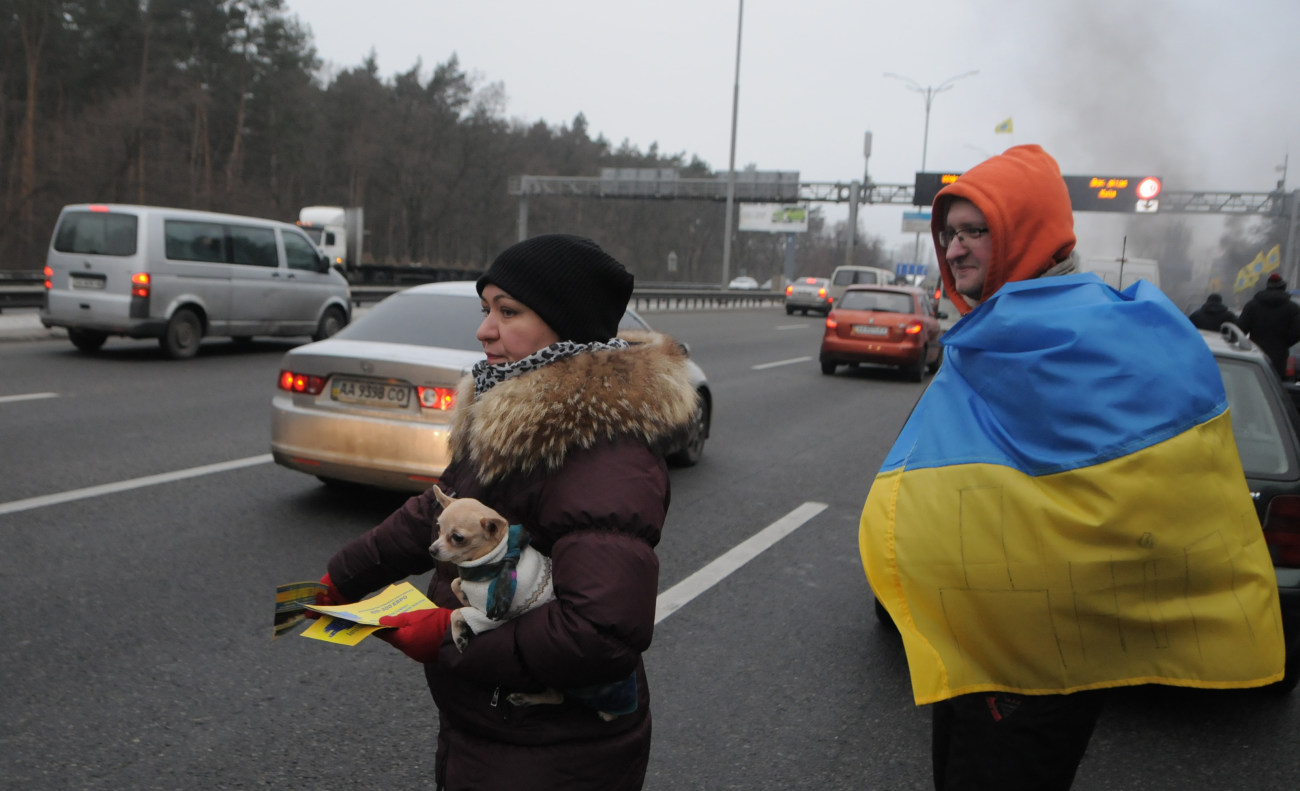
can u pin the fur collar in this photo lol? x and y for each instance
(534, 420)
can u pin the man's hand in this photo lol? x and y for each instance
(330, 598)
(418, 633)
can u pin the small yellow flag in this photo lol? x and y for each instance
(1004, 127)
(1273, 259)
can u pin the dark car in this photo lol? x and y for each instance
(808, 293)
(884, 325)
(1266, 425)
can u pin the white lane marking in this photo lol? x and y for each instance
(135, 483)
(681, 594)
(778, 363)
(27, 397)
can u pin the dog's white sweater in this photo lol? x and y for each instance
(533, 586)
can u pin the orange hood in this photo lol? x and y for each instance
(1027, 209)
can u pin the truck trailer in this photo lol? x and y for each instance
(339, 233)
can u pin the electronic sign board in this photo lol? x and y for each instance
(1113, 193)
(1087, 193)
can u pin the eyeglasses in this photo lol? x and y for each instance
(965, 235)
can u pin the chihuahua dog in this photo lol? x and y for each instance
(502, 577)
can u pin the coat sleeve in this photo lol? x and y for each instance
(608, 506)
(396, 548)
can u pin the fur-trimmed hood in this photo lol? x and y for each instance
(534, 420)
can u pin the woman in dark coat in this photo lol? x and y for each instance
(562, 429)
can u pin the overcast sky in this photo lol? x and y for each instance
(1201, 92)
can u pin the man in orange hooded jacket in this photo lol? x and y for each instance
(1049, 523)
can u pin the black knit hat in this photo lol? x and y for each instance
(578, 289)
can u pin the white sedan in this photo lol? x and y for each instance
(373, 404)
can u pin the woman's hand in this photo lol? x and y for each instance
(330, 598)
(418, 633)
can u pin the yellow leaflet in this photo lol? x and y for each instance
(349, 624)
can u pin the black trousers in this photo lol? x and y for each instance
(996, 740)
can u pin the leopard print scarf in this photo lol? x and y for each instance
(487, 376)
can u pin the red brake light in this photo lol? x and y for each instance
(140, 284)
(789, 290)
(1282, 530)
(99, 207)
(821, 292)
(442, 399)
(301, 383)
(831, 323)
(49, 273)
(914, 328)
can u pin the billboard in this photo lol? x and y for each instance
(773, 218)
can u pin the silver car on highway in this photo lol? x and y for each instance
(373, 404)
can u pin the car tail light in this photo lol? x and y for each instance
(821, 292)
(1290, 365)
(301, 383)
(441, 398)
(140, 284)
(914, 328)
(831, 323)
(49, 273)
(789, 290)
(1282, 530)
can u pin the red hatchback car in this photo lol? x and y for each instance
(885, 325)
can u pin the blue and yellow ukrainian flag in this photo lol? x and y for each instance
(1065, 508)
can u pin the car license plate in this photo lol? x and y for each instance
(85, 281)
(382, 394)
(869, 329)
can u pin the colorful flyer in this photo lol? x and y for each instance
(291, 602)
(349, 624)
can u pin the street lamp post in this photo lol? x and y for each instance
(731, 162)
(928, 92)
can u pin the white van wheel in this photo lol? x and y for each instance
(330, 323)
(181, 337)
(87, 340)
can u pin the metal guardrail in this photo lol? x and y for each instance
(25, 290)
(21, 290)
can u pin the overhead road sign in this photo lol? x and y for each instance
(1126, 194)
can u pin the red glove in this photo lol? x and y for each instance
(418, 633)
(330, 598)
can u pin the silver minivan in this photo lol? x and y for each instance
(180, 275)
(850, 275)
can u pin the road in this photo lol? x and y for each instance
(138, 582)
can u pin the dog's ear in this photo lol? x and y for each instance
(493, 525)
(443, 499)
